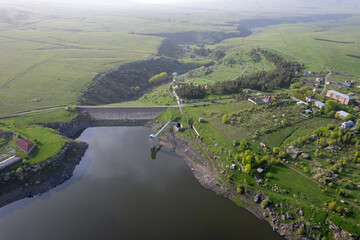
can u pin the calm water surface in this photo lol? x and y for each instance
(119, 192)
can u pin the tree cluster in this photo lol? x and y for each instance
(255, 56)
(281, 77)
(190, 91)
(200, 50)
(159, 78)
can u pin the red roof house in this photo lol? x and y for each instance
(25, 145)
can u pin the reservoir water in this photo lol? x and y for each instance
(119, 192)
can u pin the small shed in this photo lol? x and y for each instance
(263, 145)
(260, 170)
(177, 126)
(201, 120)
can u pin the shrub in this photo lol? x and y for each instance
(225, 119)
(248, 168)
(349, 117)
(300, 231)
(265, 203)
(332, 205)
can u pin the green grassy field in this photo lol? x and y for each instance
(297, 42)
(51, 69)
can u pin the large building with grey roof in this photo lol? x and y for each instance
(340, 97)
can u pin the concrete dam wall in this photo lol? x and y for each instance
(122, 113)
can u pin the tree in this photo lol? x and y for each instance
(225, 119)
(247, 168)
(265, 203)
(349, 117)
(276, 150)
(202, 68)
(219, 54)
(135, 89)
(332, 205)
(331, 105)
(159, 78)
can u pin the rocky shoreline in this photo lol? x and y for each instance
(251, 200)
(38, 179)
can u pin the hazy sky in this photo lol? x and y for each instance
(334, 5)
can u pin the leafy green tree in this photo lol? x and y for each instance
(349, 117)
(276, 150)
(248, 168)
(225, 118)
(265, 203)
(331, 105)
(159, 78)
(332, 205)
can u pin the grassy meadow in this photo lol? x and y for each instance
(297, 42)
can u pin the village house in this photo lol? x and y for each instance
(318, 80)
(342, 98)
(310, 99)
(201, 120)
(25, 145)
(319, 104)
(348, 124)
(341, 114)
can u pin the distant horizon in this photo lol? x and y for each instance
(287, 6)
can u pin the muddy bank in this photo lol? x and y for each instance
(38, 179)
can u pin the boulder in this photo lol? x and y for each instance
(293, 152)
(305, 155)
(257, 198)
(283, 217)
(301, 212)
(289, 216)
